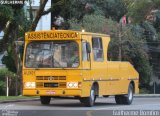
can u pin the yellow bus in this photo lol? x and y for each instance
(61, 63)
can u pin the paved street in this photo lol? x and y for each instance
(69, 107)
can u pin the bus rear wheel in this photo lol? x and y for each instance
(45, 100)
(125, 99)
(119, 99)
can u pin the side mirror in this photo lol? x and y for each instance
(88, 47)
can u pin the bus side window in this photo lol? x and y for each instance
(84, 52)
(97, 49)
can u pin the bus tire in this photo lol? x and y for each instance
(119, 99)
(82, 100)
(45, 100)
(89, 101)
(127, 99)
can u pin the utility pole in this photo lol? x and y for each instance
(154, 84)
(120, 42)
(7, 86)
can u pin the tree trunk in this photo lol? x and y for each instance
(30, 10)
(38, 15)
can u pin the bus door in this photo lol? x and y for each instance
(86, 65)
(85, 53)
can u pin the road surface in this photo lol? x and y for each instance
(70, 107)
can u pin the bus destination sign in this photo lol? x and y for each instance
(51, 35)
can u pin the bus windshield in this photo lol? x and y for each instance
(52, 54)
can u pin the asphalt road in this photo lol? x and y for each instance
(72, 107)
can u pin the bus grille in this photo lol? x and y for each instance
(51, 78)
(53, 82)
(51, 85)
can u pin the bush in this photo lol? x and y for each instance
(144, 91)
(3, 74)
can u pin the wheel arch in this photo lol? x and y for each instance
(96, 86)
(133, 84)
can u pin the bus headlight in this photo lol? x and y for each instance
(72, 84)
(30, 85)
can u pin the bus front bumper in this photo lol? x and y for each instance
(51, 92)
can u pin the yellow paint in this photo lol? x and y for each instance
(112, 77)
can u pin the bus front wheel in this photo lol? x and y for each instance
(45, 100)
(89, 101)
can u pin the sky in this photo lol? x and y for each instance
(1, 34)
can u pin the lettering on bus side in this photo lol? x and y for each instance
(29, 72)
(45, 35)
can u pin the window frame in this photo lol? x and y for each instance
(99, 48)
(87, 59)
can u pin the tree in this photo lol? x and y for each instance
(131, 42)
(38, 15)
(6, 15)
(146, 14)
(41, 12)
(14, 31)
(87, 23)
(3, 74)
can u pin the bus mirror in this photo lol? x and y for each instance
(88, 47)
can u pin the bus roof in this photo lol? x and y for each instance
(58, 35)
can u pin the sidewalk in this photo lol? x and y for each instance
(37, 99)
(146, 95)
(20, 100)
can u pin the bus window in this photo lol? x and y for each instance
(52, 54)
(84, 52)
(97, 49)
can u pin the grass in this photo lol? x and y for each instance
(5, 98)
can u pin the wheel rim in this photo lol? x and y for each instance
(92, 95)
(130, 95)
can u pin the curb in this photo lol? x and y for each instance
(20, 100)
(146, 95)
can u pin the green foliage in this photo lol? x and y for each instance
(99, 22)
(9, 60)
(4, 72)
(156, 24)
(146, 14)
(150, 32)
(144, 91)
(23, 23)
(69, 8)
(19, 25)
(138, 9)
(2, 87)
(144, 68)
(6, 14)
(77, 9)
(114, 9)
(156, 3)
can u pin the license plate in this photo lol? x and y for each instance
(50, 92)
(50, 84)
